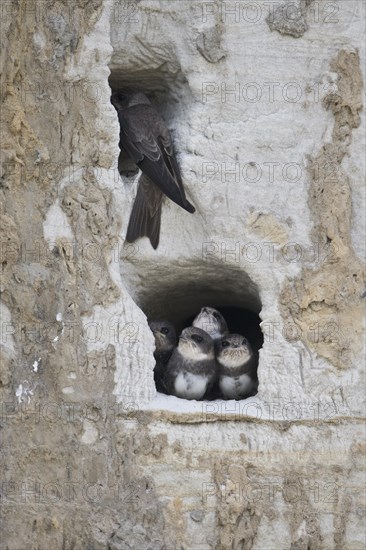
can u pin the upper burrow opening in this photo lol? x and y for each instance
(165, 86)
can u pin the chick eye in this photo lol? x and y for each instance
(217, 315)
(164, 330)
(225, 344)
(244, 342)
(197, 338)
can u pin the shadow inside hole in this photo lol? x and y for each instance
(166, 87)
(162, 85)
(239, 321)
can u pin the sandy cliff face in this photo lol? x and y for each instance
(265, 104)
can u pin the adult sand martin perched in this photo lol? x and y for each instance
(192, 368)
(211, 321)
(165, 342)
(237, 367)
(146, 140)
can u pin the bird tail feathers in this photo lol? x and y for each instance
(146, 213)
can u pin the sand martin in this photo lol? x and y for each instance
(147, 141)
(211, 321)
(192, 368)
(237, 367)
(165, 342)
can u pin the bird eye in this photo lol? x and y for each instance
(197, 338)
(217, 315)
(244, 342)
(164, 330)
(225, 344)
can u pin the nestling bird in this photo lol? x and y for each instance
(165, 342)
(192, 369)
(145, 138)
(237, 367)
(211, 321)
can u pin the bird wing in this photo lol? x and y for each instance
(166, 146)
(148, 143)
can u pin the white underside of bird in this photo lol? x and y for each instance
(235, 386)
(190, 386)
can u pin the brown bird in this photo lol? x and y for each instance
(192, 369)
(146, 140)
(237, 367)
(165, 342)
